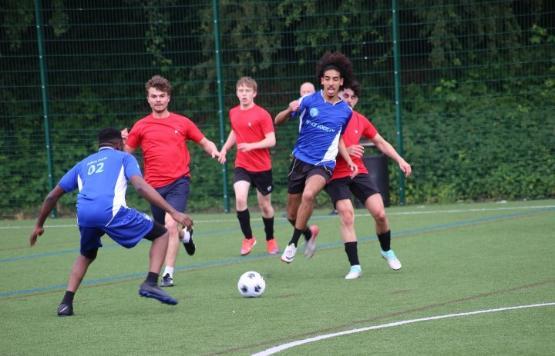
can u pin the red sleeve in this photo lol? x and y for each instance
(193, 132)
(369, 130)
(266, 123)
(134, 138)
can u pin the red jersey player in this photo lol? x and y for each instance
(163, 136)
(252, 130)
(341, 185)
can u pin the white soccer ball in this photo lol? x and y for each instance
(251, 284)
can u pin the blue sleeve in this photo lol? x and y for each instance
(131, 166)
(69, 181)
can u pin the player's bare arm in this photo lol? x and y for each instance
(209, 147)
(390, 151)
(150, 194)
(268, 141)
(231, 140)
(284, 115)
(345, 154)
(356, 150)
(47, 206)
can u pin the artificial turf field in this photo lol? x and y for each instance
(456, 259)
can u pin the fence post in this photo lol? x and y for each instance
(397, 80)
(44, 95)
(220, 84)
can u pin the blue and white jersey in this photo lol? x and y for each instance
(102, 182)
(320, 126)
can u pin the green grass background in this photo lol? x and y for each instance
(456, 258)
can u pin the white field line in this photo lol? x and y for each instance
(399, 213)
(292, 344)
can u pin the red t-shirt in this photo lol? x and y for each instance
(358, 127)
(163, 141)
(252, 125)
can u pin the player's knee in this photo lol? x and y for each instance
(91, 254)
(171, 224)
(347, 216)
(308, 196)
(240, 204)
(380, 217)
(267, 209)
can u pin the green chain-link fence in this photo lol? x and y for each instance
(477, 85)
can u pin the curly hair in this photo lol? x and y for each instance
(159, 83)
(339, 62)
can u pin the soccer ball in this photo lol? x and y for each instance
(251, 284)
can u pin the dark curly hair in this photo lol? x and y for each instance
(339, 62)
(354, 86)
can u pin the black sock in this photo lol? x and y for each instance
(385, 240)
(352, 252)
(68, 298)
(295, 238)
(268, 227)
(307, 234)
(152, 278)
(245, 222)
(292, 222)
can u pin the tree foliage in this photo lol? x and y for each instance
(477, 77)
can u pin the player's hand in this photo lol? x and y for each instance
(356, 150)
(244, 147)
(39, 230)
(405, 168)
(354, 169)
(222, 157)
(294, 105)
(215, 155)
(183, 219)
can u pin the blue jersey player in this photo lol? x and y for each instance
(101, 179)
(323, 117)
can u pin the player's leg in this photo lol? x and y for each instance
(374, 205)
(78, 271)
(313, 185)
(293, 203)
(338, 190)
(90, 243)
(264, 186)
(346, 214)
(267, 211)
(128, 227)
(159, 237)
(176, 194)
(241, 186)
(296, 179)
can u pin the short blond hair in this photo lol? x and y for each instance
(248, 82)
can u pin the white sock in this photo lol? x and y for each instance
(186, 235)
(168, 270)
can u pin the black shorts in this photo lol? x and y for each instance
(261, 180)
(361, 186)
(300, 171)
(176, 194)
(156, 231)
